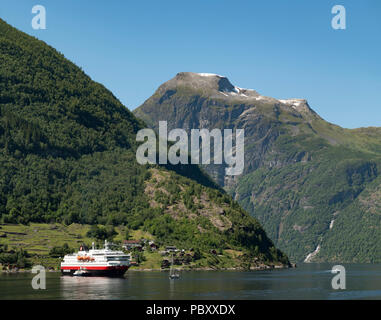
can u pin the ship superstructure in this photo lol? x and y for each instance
(97, 262)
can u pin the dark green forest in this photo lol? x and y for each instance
(66, 143)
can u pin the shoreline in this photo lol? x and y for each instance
(216, 269)
(167, 269)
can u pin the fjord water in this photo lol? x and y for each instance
(308, 281)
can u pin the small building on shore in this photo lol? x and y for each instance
(153, 246)
(132, 244)
(171, 249)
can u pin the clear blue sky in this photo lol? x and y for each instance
(283, 49)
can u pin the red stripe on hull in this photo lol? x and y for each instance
(96, 268)
(110, 271)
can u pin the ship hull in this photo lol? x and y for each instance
(114, 271)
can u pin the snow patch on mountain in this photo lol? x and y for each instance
(210, 75)
(292, 102)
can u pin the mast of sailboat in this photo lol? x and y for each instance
(171, 271)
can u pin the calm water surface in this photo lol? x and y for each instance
(308, 281)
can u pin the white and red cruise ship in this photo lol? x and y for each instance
(96, 262)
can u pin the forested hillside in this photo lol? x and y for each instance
(67, 155)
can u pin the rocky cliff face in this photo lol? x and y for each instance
(301, 172)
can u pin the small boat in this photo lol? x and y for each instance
(173, 274)
(81, 273)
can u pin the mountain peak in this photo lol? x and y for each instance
(215, 86)
(210, 80)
